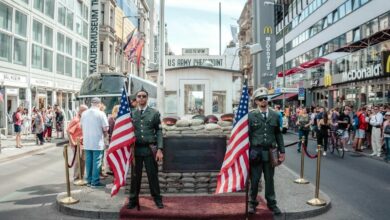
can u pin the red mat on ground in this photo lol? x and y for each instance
(196, 207)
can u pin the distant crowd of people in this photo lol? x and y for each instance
(40, 122)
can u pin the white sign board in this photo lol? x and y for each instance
(182, 61)
(195, 51)
(41, 82)
(13, 80)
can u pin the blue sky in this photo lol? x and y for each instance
(194, 23)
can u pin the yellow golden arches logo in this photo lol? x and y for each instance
(267, 30)
(327, 80)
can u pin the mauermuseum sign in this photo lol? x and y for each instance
(94, 37)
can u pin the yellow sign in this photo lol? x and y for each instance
(267, 30)
(327, 80)
(388, 64)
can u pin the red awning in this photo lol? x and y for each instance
(290, 71)
(313, 63)
(286, 96)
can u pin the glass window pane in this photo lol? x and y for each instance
(36, 57)
(5, 17)
(5, 47)
(37, 31)
(341, 11)
(20, 51)
(78, 69)
(78, 50)
(348, 6)
(48, 36)
(356, 34)
(364, 2)
(78, 26)
(69, 46)
(20, 23)
(355, 4)
(49, 8)
(48, 60)
(38, 4)
(60, 64)
(61, 14)
(69, 20)
(84, 71)
(60, 42)
(219, 102)
(68, 66)
(384, 22)
(374, 26)
(170, 102)
(85, 29)
(194, 99)
(85, 53)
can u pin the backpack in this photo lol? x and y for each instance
(355, 122)
(14, 118)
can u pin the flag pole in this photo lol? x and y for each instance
(249, 164)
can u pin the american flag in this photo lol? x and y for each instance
(235, 167)
(119, 154)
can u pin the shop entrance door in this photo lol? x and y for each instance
(42, 101)
(12, 105)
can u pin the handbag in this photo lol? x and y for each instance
(387, 129)
(274, 157)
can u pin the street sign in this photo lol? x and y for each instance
(301, 94)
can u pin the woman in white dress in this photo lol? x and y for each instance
(26, 126)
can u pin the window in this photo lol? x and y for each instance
(194, 99)
(78, 26)
(78, 69)
(101, 53)
(78, 50)
(384, 22)
(68, 66)
(84, 71)
(61, 14)
(85, 30)
(20, 24)
(101, 19)
(60, 42)
(335, 16)
(37, 31)
(38, 4)
(219, 102)
(374, 26)
(20, 51)
(60, 64)
(49, 8)
(342, 11)
(364, 2)
(5, 17)
(349, 37)
(170, 102)
(356, 34)
(48, 37)
(48, 60)
(36, 57)
(85, 53)
(69, 46)
(69, 20)
(5, 47)
(348, 6)
(112, 17)
(355, 4)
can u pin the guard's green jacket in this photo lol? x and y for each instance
(265, 133)
(148, 131)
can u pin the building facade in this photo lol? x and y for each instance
(43, 54)
(337, 50)
(245, 37)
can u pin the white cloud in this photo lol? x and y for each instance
(228, 7)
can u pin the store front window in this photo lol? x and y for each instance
(194, 99)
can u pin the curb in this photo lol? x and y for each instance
(13, 157)
(310, 213)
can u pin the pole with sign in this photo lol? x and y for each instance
(301, 94)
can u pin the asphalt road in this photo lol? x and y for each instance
(29, 186)
(358, 186)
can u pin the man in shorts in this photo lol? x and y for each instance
(344, 122)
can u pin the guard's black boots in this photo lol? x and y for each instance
(159, 204)
(275, 210)
(132, 205)
(251, 209)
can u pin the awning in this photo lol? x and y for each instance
(368, 41)
(270, 97)
(290, 71)
(313, 63)
(287, 96)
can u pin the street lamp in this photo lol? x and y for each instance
(283, 48)
(123, 24)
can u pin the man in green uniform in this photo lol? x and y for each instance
(264, 134)
(148, 149)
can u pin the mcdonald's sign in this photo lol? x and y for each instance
(386, 62)
(267, 29)
(327, 79)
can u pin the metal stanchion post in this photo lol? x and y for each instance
(316, 201)
(80, 181)
(302, 180)
(67, 200)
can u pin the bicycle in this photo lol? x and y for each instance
(335, 140)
